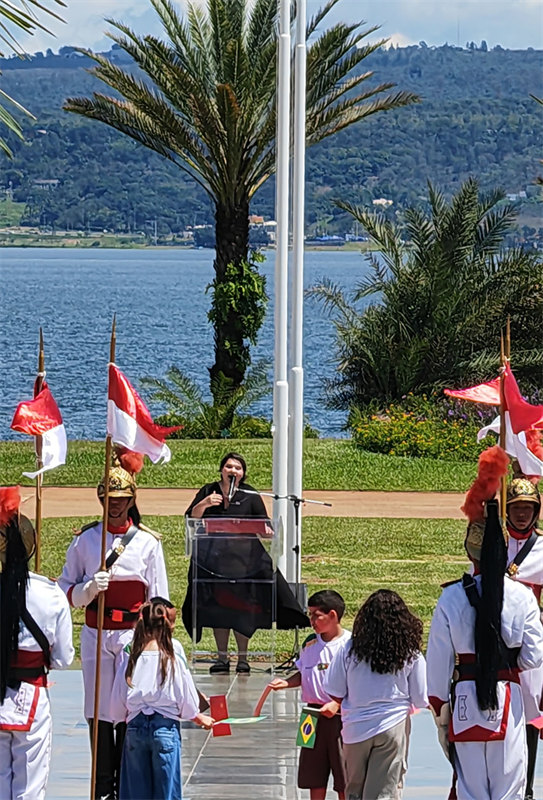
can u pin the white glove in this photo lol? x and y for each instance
(442, 722)
(84, 593)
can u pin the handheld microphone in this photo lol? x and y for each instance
(232, 489)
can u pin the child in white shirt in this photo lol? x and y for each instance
(153, 690)
(325, 610)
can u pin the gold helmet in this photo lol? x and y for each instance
(474, 539)
(13, 523)
(122, 480)
(522, 490)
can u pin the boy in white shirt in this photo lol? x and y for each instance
(325, 610)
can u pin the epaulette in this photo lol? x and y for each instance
(156, 534)
(450, 583)
(86, 527)
(311, 639)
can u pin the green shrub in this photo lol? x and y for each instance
(421, 427)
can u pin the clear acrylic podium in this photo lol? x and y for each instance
(233, 575)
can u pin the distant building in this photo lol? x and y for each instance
(47, 185)
(383, 202)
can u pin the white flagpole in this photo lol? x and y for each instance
(296, 374)
(280, 386)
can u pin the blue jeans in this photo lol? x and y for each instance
(151, 763)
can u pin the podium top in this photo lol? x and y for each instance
(232, 525)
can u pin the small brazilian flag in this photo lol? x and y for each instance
(307, 730)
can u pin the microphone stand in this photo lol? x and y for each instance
(296, 501)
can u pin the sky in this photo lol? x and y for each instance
(513, 24)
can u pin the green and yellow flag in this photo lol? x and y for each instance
(307, 730)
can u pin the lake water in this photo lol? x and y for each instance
(161, 305)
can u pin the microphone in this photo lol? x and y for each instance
(232, 489)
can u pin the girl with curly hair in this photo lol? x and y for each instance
(378, 677)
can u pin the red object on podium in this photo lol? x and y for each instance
(219, 710)
(237, 525)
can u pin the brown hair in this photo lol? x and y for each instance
(154, 623)
(385, 633)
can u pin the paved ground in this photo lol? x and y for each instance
(78, 502)
(258, 760)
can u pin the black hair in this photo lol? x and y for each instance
(238, 458)
(489, 645)
(13, 581)
(328, 600)
(386, 635)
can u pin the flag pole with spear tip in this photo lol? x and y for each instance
(505, 356)
(38, 385)
(101, 596)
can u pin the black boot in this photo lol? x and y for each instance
(120, 733)
(532, 741)
(104, 788)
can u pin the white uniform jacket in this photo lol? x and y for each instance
(142, 560)
(530, 572)
(141, 569)
(452, 634)
(25, 715)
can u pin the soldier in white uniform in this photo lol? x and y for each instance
(525, 564)
(135, 572)
(484, 631)
(35, 636)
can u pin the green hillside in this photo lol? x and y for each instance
(476, 118)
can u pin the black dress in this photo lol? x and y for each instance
(241, 597)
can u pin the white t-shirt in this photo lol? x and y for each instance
(313, 663)
(373, 703)
(176, 698)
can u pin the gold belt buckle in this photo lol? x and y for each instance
(512, 570)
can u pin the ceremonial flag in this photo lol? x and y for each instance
(129, 422)
(523, 414)
(307, 730)
(487, 393)
(41, 417)
(515, 446)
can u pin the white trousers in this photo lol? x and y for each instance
(495, 770)
(25, 756)
(113, 643)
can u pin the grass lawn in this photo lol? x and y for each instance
(353, 556)
(328, 464)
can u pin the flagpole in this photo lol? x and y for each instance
(38, 384)
(505, 354)
(101, 596)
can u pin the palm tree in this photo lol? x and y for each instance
(442, 296)
(23, 19)
(205, 98)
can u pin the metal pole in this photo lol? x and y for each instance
(280, 387)
(296, 374)
(38, 385)
(101, 596)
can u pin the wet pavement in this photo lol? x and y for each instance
(257, 760)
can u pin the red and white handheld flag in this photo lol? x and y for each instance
(524, 415)
(41, 417)
(129, 422)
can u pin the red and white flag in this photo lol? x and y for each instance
(129, 422)
(524, 415)
(515, 446)
(41, 417)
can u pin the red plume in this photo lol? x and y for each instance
(10, 500)
(492, 466)
(130, 461)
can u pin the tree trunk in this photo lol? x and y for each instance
(232, 248)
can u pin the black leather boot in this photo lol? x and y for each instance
(532, 742)
(104, 788)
